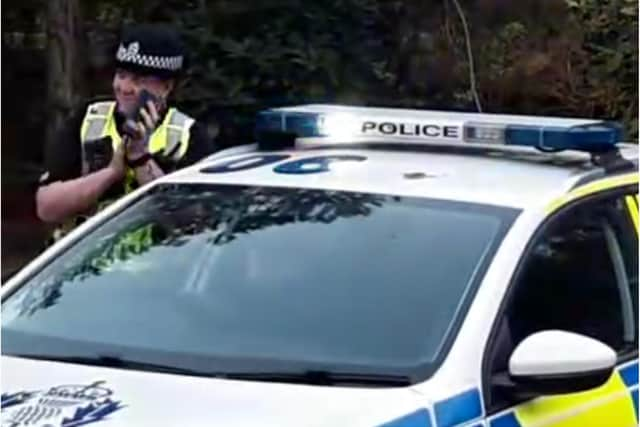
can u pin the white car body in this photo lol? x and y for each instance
(535, 183)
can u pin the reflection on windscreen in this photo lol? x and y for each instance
(302, 275)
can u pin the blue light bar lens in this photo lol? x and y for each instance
(304, 125)
(269, 121)
(590, 138)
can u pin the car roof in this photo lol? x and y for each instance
(510, 177)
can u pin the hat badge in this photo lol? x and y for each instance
(129, 53)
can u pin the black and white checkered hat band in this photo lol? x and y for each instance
(131, 54)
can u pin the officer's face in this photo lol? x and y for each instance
(127, 87)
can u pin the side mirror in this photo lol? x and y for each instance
(560, 362)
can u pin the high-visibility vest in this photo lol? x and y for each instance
(170, 139)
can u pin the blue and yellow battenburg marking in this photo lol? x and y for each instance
(457, 410)
(615, 404)
(611, 405)
(629, 374)
(632, 205)
(419, 418)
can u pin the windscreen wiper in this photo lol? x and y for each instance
(312, 377)
(323, 378)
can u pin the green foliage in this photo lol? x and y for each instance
(551, 57)
(610, 57)
(556, 57)
(319, 51)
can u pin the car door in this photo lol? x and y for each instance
(579, 274)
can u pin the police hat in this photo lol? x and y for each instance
(151, 50)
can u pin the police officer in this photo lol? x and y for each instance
(112, 147)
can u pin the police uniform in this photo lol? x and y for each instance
(95, 132)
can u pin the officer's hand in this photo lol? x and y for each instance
(138, 145)
(118, 164)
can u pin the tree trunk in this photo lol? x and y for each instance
(65, 63)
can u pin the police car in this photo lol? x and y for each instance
(354, 267)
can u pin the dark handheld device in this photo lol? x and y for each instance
(98, 153)
(136, 116)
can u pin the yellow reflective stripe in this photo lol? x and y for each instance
(609, 405)
(178, 119)
(83, 129)
(95, 128)
(95, 124)
(632, 205)
(592, 188)
(101, 108)
(172, 148)
(158, 140)
(159, 137)
(112, 131)
(98, 112)
(177, 132)
(185, 136)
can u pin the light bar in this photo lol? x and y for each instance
(341, 124)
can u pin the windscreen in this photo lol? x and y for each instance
(250, 278)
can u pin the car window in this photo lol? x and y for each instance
(572, 273)
(580, 275)
(336, 279)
